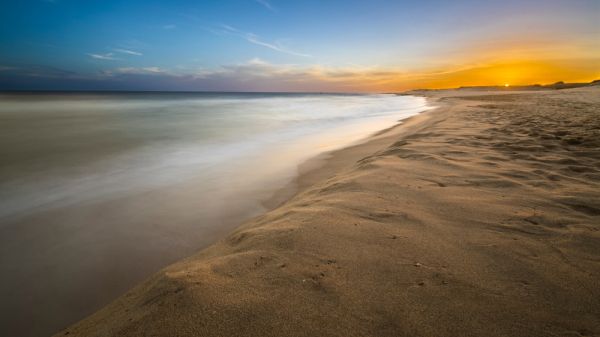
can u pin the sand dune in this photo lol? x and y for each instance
(479, 218)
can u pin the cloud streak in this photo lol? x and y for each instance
(266, 4)
(255, 39)
(137, 71)
(128, 52)
(291, 77)
(107, 56)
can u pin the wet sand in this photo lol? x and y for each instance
(478, 218)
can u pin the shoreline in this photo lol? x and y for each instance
(474, 218)
(329, 163)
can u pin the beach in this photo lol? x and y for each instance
(478, 218)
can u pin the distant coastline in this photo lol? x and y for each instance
(557, 86)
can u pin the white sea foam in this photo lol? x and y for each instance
(167, 140)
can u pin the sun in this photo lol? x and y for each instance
(506, 85)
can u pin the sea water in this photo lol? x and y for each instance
(100, 190)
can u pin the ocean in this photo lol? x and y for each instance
(100, 190)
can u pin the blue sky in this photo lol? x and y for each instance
(280, 45)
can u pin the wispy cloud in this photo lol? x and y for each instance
(260, 75)
(127, 51)
(257, 69)
(138, 71)
(266, 4)
(255, 39)
(107, 56)
(169, 26)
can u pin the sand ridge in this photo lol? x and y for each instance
(480, 218)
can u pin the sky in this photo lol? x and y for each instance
(303, 45)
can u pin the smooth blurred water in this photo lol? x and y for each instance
(60, 150)
(97, 191)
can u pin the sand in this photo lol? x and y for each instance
(478, 218)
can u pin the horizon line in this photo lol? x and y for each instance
(509, 87)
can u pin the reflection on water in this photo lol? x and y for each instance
(97, 191)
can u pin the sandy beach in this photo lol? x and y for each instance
(478, 218)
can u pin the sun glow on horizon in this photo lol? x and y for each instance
(507, 74)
